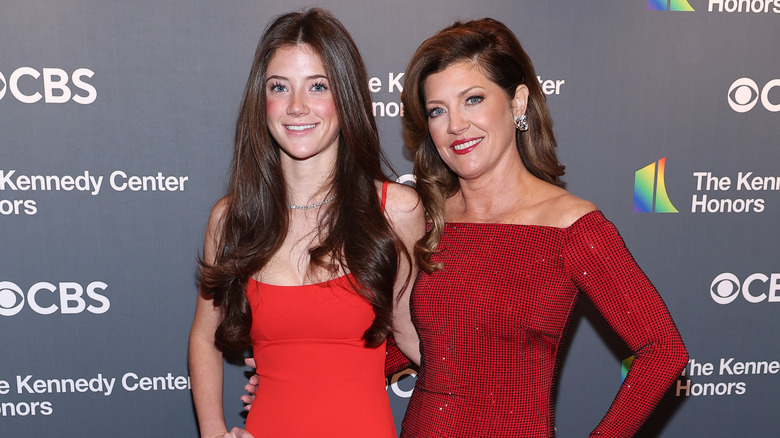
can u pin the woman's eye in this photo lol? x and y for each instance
(319, 87)
(435, 112)
(278, 88)
(472, 100)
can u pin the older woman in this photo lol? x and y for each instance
(508, 253)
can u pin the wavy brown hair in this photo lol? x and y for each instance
(354, 234)
(494, 49)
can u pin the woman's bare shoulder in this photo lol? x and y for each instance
(401, 197)
(214, 228)
(564, 209)
(218, 211)
(403, 206)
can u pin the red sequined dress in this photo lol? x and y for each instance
(491, 324)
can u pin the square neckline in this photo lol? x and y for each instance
(340, 278)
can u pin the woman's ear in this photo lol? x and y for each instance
(520, 100)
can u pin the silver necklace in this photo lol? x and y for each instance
(306, 207)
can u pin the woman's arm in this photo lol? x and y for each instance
(606, 272)
(395, 360)
(205, 359)
(406, 215)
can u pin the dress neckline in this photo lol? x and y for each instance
(339, 279)
(503, 224)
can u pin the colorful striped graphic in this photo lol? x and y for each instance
(650, 189)
(625, 366)
(669, 5)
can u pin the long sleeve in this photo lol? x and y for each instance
(605, 271)
(395, 361)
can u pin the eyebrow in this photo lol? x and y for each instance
(307, 78)
(461, 94)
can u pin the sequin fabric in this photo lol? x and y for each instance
(491, 324)
(395, 361)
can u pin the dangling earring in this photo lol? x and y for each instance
(521, 123)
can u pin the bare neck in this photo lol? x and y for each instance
(308, 181)
(497, 196)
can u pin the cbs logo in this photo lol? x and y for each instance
(744, 94)
(726, 287)
(45, 298)
(26, 84)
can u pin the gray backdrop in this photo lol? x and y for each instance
(116, 123)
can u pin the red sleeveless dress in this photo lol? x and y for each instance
(316, 377)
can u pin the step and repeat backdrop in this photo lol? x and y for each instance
(116, 125)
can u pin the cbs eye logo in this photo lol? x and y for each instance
(11, 298)
(745, 93)
(726, 287)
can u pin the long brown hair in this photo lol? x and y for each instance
(354, 233)
(491, 46)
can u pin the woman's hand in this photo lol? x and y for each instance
(237, 433)
(251, 388)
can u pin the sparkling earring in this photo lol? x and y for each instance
(521, 122)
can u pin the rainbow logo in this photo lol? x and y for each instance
(650, 189)
(625, 366)
(669, 5)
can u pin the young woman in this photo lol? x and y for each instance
(303, 257)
